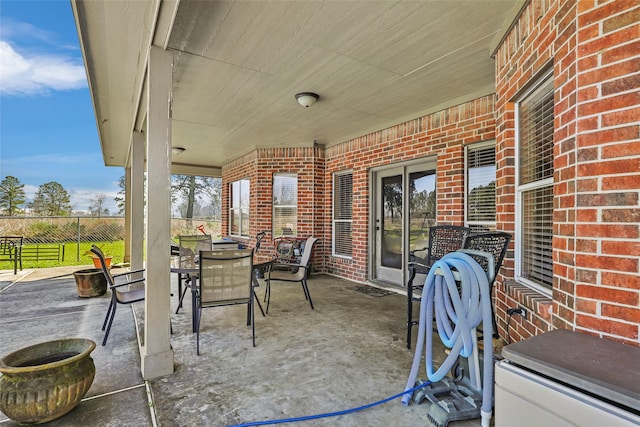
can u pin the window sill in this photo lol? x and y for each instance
(532, 299)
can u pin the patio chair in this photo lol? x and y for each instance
(442, 240)
(188, 248)
(293, 272)
(118, 295)
(225, 279)
(495, 243)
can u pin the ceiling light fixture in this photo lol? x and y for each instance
(177, 150)
(307, 99)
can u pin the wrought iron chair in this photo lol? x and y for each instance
(118, 295)
(495, 243)
(188, 248)
(293, 272)
(225, 278)
(442, 240)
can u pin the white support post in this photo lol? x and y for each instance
(156, 353)
(135, 198)
(127, 214)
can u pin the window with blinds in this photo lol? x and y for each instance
(239, 208)
(481, 186)
(535, 185)
(342, 214)
(285, 205)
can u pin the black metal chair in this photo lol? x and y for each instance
(11, 250)
(225, 278)
(118, 295)
(443, 239)
(495, 243)
(293, 272)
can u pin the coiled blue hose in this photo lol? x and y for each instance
(464, 308)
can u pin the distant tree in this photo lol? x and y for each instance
(97, 207)
(51, 199)
(119, 199)
(190, 189)
(11, 195)
(213, 190)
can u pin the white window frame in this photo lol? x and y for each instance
(335, 199)
(240, 208)
(275, 207)
(477, 146)
(521, 189)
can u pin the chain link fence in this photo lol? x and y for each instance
(56, 241)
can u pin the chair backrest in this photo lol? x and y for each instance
(494, 242)
(225, 277)
(190, 246)
(444, 239)
(308, 248)
(107, 273)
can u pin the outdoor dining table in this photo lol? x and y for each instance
(192, 273)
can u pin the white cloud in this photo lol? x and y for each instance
(38, 73)
(84, 198)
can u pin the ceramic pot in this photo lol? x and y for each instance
(107, 260)
(90, 283)
(43, 382)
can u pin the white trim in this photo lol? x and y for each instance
(475, 146)
(520, 189)
(333, 220)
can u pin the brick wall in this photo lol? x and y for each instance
(442, 135)
(259, 167)
(593, 48)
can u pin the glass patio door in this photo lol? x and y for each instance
(404, 211)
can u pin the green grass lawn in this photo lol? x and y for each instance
(74, 255)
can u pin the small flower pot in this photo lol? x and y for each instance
(90, 283)
(43, 382)
(107, 260)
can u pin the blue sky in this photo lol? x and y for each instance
(47, 124)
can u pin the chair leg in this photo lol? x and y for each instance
(253, 318)
(198, 314)
(409, 314)
(106, 334)
(106, 317)
(267, 294)
(184, 292)
(307, 295)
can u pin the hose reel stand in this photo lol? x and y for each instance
(456, 296)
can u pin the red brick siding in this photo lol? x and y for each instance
(442, 135)
(259, 166)
(593, 48)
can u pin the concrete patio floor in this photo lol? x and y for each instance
(349, 351)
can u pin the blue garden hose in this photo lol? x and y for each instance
(463, 304)
(330, 414)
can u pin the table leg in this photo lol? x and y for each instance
(194, 303)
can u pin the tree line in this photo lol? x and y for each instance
(191, 197)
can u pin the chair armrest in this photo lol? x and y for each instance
(419, 267)
(128, 272)
(288, 265)
(128, 283)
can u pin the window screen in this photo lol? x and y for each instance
(239, 208)
(285, 205)
(342, 214)
(481, 187)
(535, 184)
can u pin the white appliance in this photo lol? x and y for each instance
(566, 378)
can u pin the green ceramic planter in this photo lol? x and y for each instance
(43, 382)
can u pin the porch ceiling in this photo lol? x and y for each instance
(238, 65)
